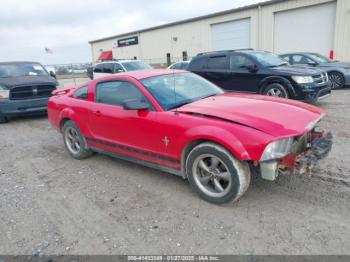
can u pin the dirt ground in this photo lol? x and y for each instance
(53, 204)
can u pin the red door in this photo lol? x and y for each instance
(133, 133)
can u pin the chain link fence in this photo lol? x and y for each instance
(81, 70)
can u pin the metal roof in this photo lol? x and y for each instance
(270, 2)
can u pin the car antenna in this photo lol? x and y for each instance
(174, 92)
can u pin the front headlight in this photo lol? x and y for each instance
(277, 149)
(303, 79)
(4, 93)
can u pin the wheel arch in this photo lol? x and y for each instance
(68, 115)
(279, 80)
(235, 147)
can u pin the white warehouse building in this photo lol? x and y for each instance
(321, 26)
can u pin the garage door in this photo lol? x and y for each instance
(309, 29)
(231, 35)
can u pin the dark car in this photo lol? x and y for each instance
(261, 72)
(25, 88)
(338, 72)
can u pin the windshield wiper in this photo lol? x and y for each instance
(180, 104)
(208, 96)
(188, 101)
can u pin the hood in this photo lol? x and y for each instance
(11, 82)
(336, 64)
(296, 70)
(275, 116)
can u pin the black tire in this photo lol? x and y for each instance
(232, 175)
(337, 80)
(276, 90)
(3, 119)
(74, 141)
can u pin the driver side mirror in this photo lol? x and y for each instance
(312, 64)
(135, 104)
(52, 74)
(252, 68)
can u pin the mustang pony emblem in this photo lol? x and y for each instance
(166, 141)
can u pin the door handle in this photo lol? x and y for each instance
(96, 112)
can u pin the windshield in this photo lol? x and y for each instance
(136, 65)
(268, 59)
(174, 90)
(23, 69)
(320, 58)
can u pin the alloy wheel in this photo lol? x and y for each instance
(72, 140)
(337, 80)
(275, 92)
(211, 175)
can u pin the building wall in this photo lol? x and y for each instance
(195, 37)
(342, 31)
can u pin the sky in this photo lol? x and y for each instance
(27, 27)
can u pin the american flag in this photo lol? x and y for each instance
(48, 50)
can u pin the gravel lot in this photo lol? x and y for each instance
(53, 204)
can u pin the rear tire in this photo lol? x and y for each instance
(337, 80)
(3, 119)
(215, 174)
(276, 90)
(74, 141)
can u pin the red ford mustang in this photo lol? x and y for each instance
(181, 123)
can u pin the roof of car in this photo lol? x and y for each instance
(18, 62)
(119, 61)
(142, 74)
(299, 53)
(225, 52)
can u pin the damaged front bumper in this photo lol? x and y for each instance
(316, 147)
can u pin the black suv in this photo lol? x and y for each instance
(25, 88)
(261, 72)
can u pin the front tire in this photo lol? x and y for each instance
(276, 90)
(215, 174)
(337, 80)
(74, 141)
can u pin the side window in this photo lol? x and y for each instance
(117, 92)
(118, 68)
(108, 68)
(217, 62)
(287, 58)
(98, 68)
(239, 62)
(197, 63)
(176, 66)
(81, 93)
(301, 60)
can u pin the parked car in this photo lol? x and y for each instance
(178, 122)
(114, 67)
(180, 65)
(261, 72)
(25, 88)
(339, 73)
